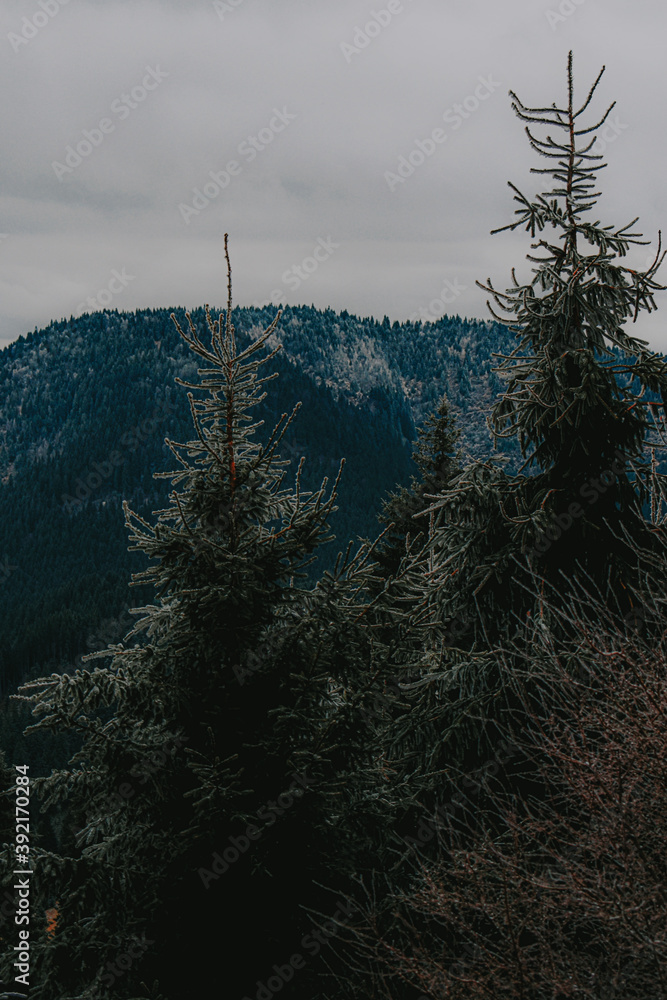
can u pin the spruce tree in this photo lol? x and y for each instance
(437, 461)
(583, 399)
(200, 802)
(507, 554)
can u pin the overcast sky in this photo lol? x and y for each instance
(116, 114)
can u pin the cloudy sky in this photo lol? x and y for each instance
(137, 132)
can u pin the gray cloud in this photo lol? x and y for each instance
(232, 75)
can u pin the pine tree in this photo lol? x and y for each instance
(196, 826)
(437, 461)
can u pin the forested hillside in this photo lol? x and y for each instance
(86, 405)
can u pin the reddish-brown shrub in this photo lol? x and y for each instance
(565, 895)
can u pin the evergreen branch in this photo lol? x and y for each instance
(591, 91)
(204, 443)
(266, 454)
(172, 445)
(599, 124)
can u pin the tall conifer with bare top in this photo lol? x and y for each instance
(584, 397)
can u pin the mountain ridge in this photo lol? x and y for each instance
(87, 402)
